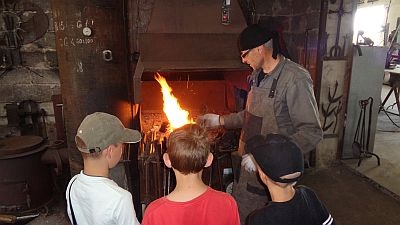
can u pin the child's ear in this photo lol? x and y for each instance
(209, 160)
(107, 152)
(262, 175)
(167, 162)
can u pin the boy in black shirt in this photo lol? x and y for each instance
(280, 164)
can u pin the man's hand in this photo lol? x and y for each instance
(249, 163)
(208, 120)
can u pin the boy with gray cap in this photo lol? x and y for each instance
(280, 165)
(93, 198)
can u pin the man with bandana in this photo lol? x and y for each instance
(280, 100)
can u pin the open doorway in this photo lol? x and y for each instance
(370, 30)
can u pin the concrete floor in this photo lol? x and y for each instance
(352, 199)
(364, 195)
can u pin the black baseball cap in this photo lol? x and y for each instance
(277, 155)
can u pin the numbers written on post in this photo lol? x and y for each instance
(71, 27)
(61, 25)
(71, 42)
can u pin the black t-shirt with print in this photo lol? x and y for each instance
(304, 208)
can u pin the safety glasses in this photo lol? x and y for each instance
(244, 54)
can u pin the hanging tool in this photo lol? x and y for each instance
(336, 50)
(345, 37)
(306, 54)
(361, 143)
(324, 39)
(359, 51)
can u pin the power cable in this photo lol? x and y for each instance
(391, 120)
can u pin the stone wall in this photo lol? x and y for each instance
(35, 75)
(300, 20)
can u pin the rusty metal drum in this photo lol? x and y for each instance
(25, 182)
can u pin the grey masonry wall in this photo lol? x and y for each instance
(35, 77)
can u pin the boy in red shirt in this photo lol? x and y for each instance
(192, 201)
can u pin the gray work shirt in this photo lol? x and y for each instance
(295, 107)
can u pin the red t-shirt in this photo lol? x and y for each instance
(211, 208)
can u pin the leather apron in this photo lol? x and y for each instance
(259, 118)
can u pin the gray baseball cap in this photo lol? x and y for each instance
(100, 130)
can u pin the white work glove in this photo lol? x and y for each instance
(208, 120)
(249, 163)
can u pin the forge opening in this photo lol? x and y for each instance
(198, 92)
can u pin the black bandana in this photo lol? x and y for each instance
(256, 35)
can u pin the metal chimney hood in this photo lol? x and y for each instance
(189, 35)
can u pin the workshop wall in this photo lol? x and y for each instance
(301, 22)
(28, 65)
(34, 75)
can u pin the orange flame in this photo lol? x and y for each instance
(177, 116)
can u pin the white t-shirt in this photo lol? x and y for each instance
(99, 200)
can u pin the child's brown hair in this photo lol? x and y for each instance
(188, 148)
